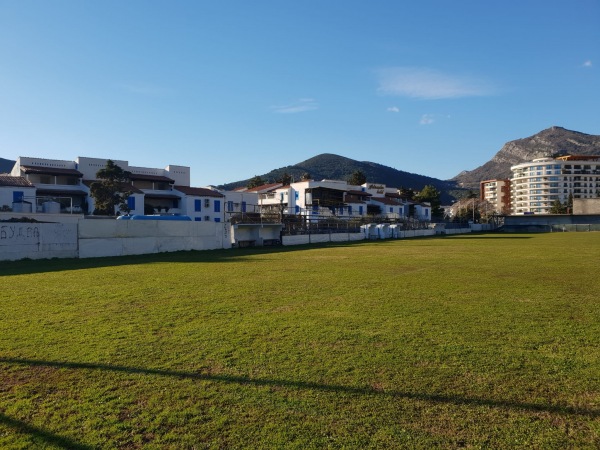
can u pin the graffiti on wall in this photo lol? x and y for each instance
(18, 232)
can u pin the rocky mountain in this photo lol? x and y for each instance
(552, 141)
(328, 166)
(6, 165)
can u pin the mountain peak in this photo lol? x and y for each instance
(547, 142)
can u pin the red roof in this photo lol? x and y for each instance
(7, 180)
(385, 201)
(50, 171)
(198, 192)
(265, 187)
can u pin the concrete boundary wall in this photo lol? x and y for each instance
(300, 239)
(457, 230)
(20, 240)
(415, 233)
(127, 237)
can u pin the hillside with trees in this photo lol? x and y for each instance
(328, 166)
(6, 165)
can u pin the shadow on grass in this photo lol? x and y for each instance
(27, 266)
(434, 398)
(38, 433)
(24, 267)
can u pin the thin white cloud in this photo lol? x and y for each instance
(429, 84)
(393, 109)
(301, 105)
(426, 119)
(587, 63)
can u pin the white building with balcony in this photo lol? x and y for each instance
(536, 185)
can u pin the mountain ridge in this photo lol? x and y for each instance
(551, 141)
(6, 165)
(335, 167)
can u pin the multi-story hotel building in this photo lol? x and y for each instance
(536, 185)
(497, 194)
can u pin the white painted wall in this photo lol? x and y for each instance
(37, 240)
(127, 237)
(321, 238)
(6, 195)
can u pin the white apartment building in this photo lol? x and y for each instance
(536, 185)
(334, 198)
(497, 194)
(62, 186)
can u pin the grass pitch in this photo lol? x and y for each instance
(478, 341)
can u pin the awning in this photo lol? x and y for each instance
(61, 193)
(50, 171)
(163, 196)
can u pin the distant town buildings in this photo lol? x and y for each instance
(39, 185)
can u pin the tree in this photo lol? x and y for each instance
(305, 176)
(558, 208)
(255, 181)
(357, 178)
(109, 191)
(431, 195)
(570, 204)
(285, 179)
(406, 193)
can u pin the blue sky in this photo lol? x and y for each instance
(237, 88)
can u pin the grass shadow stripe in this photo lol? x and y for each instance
(47, 436)
(434, 398)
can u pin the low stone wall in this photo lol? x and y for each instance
(128, 237)
(300, 239)
(415, 233)
(20, 240)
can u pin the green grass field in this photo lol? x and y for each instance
(482, 341)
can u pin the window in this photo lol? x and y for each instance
(207, 203)
(230, 206)
(217, 205)
(198, 219)
(197, 205)
(18, 196)
(217, 219)
(243, 206)
(131, 202)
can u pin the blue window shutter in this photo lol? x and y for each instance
(217, 219)
(18, 196)
(391, 209)
(296, 194)
(217, 205)
(297, 209)
(360, 210)
(197, 205)
(131, 202)
(349, 210)
(243, 206)
(198, 219)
